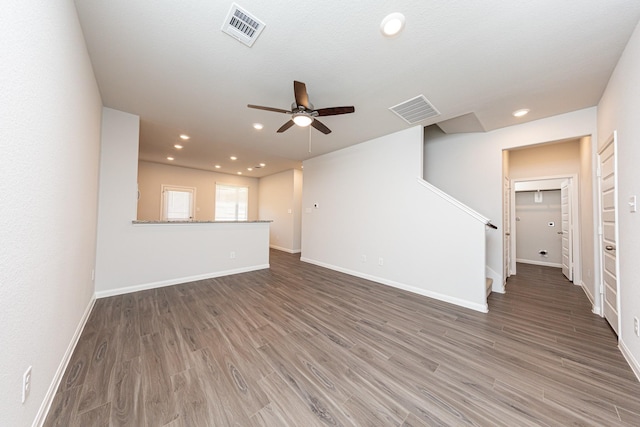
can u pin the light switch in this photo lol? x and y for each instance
(633, 207)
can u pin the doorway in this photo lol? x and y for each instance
(558, 231)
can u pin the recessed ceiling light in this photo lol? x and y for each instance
(239, 173)
(170, 158)
(263, 165)
(520, 113)
(217, 166)
(258, 126)
(249, 169)
(184, 136)
(178, 146)
(233, 158)
(392, 24)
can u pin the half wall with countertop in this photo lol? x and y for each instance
(134, 255)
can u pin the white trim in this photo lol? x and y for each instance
(177, 281)
(546, 264)
(454, 202)
(483, 308)
(585, 289)
(45, 406)
(290, 251)
(635, 366)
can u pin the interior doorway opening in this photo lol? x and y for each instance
(550, 207)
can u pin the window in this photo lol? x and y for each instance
(177, 203)
(232, 202)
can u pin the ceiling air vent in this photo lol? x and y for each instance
(415, 110)
(242, 26)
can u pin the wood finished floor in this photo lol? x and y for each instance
(299, 345)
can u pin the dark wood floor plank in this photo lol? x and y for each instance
(159, 402)
(96, 417)
(62, 408)
(126, 394)
(96, 385)
(297, 344)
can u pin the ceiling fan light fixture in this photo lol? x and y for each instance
(392, 24)
(302, 119)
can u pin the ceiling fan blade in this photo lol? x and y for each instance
(334, 111)
(286, 126)
(275, 110)
(320, 126)
(300, 90)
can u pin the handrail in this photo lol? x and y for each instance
(490, 225)
(474, 214)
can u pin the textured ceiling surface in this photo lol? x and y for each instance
(169, 62)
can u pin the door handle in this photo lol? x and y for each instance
(507, 234)
(560, 232)
(610, 248)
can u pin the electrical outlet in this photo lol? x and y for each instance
(636, 327)
(364, 258)
(232, 255)
(381, 261)
(26, 384)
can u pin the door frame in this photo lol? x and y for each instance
(575, 220)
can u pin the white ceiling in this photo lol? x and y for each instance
(169, 62)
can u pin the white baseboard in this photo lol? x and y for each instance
(177, 281)
(53, 387)
(594, 308)
(635, 366)
(483, 308)
(291, 251)
(543, 263)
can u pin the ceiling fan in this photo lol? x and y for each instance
(303, 113)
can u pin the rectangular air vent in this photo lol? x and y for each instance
(415, 110)
(242, 26)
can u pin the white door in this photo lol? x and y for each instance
(567, 229)
(609, 231)
(506, 214)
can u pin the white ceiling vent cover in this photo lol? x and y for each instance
(415, 110)
(242, 26)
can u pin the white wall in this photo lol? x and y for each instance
(50, 133)
(554, 159)
(619, 109)
(468, 166)
(533, 231)
(132, 257)
(372, 206)
(588, 230)
(281, 202)
(152, 176)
